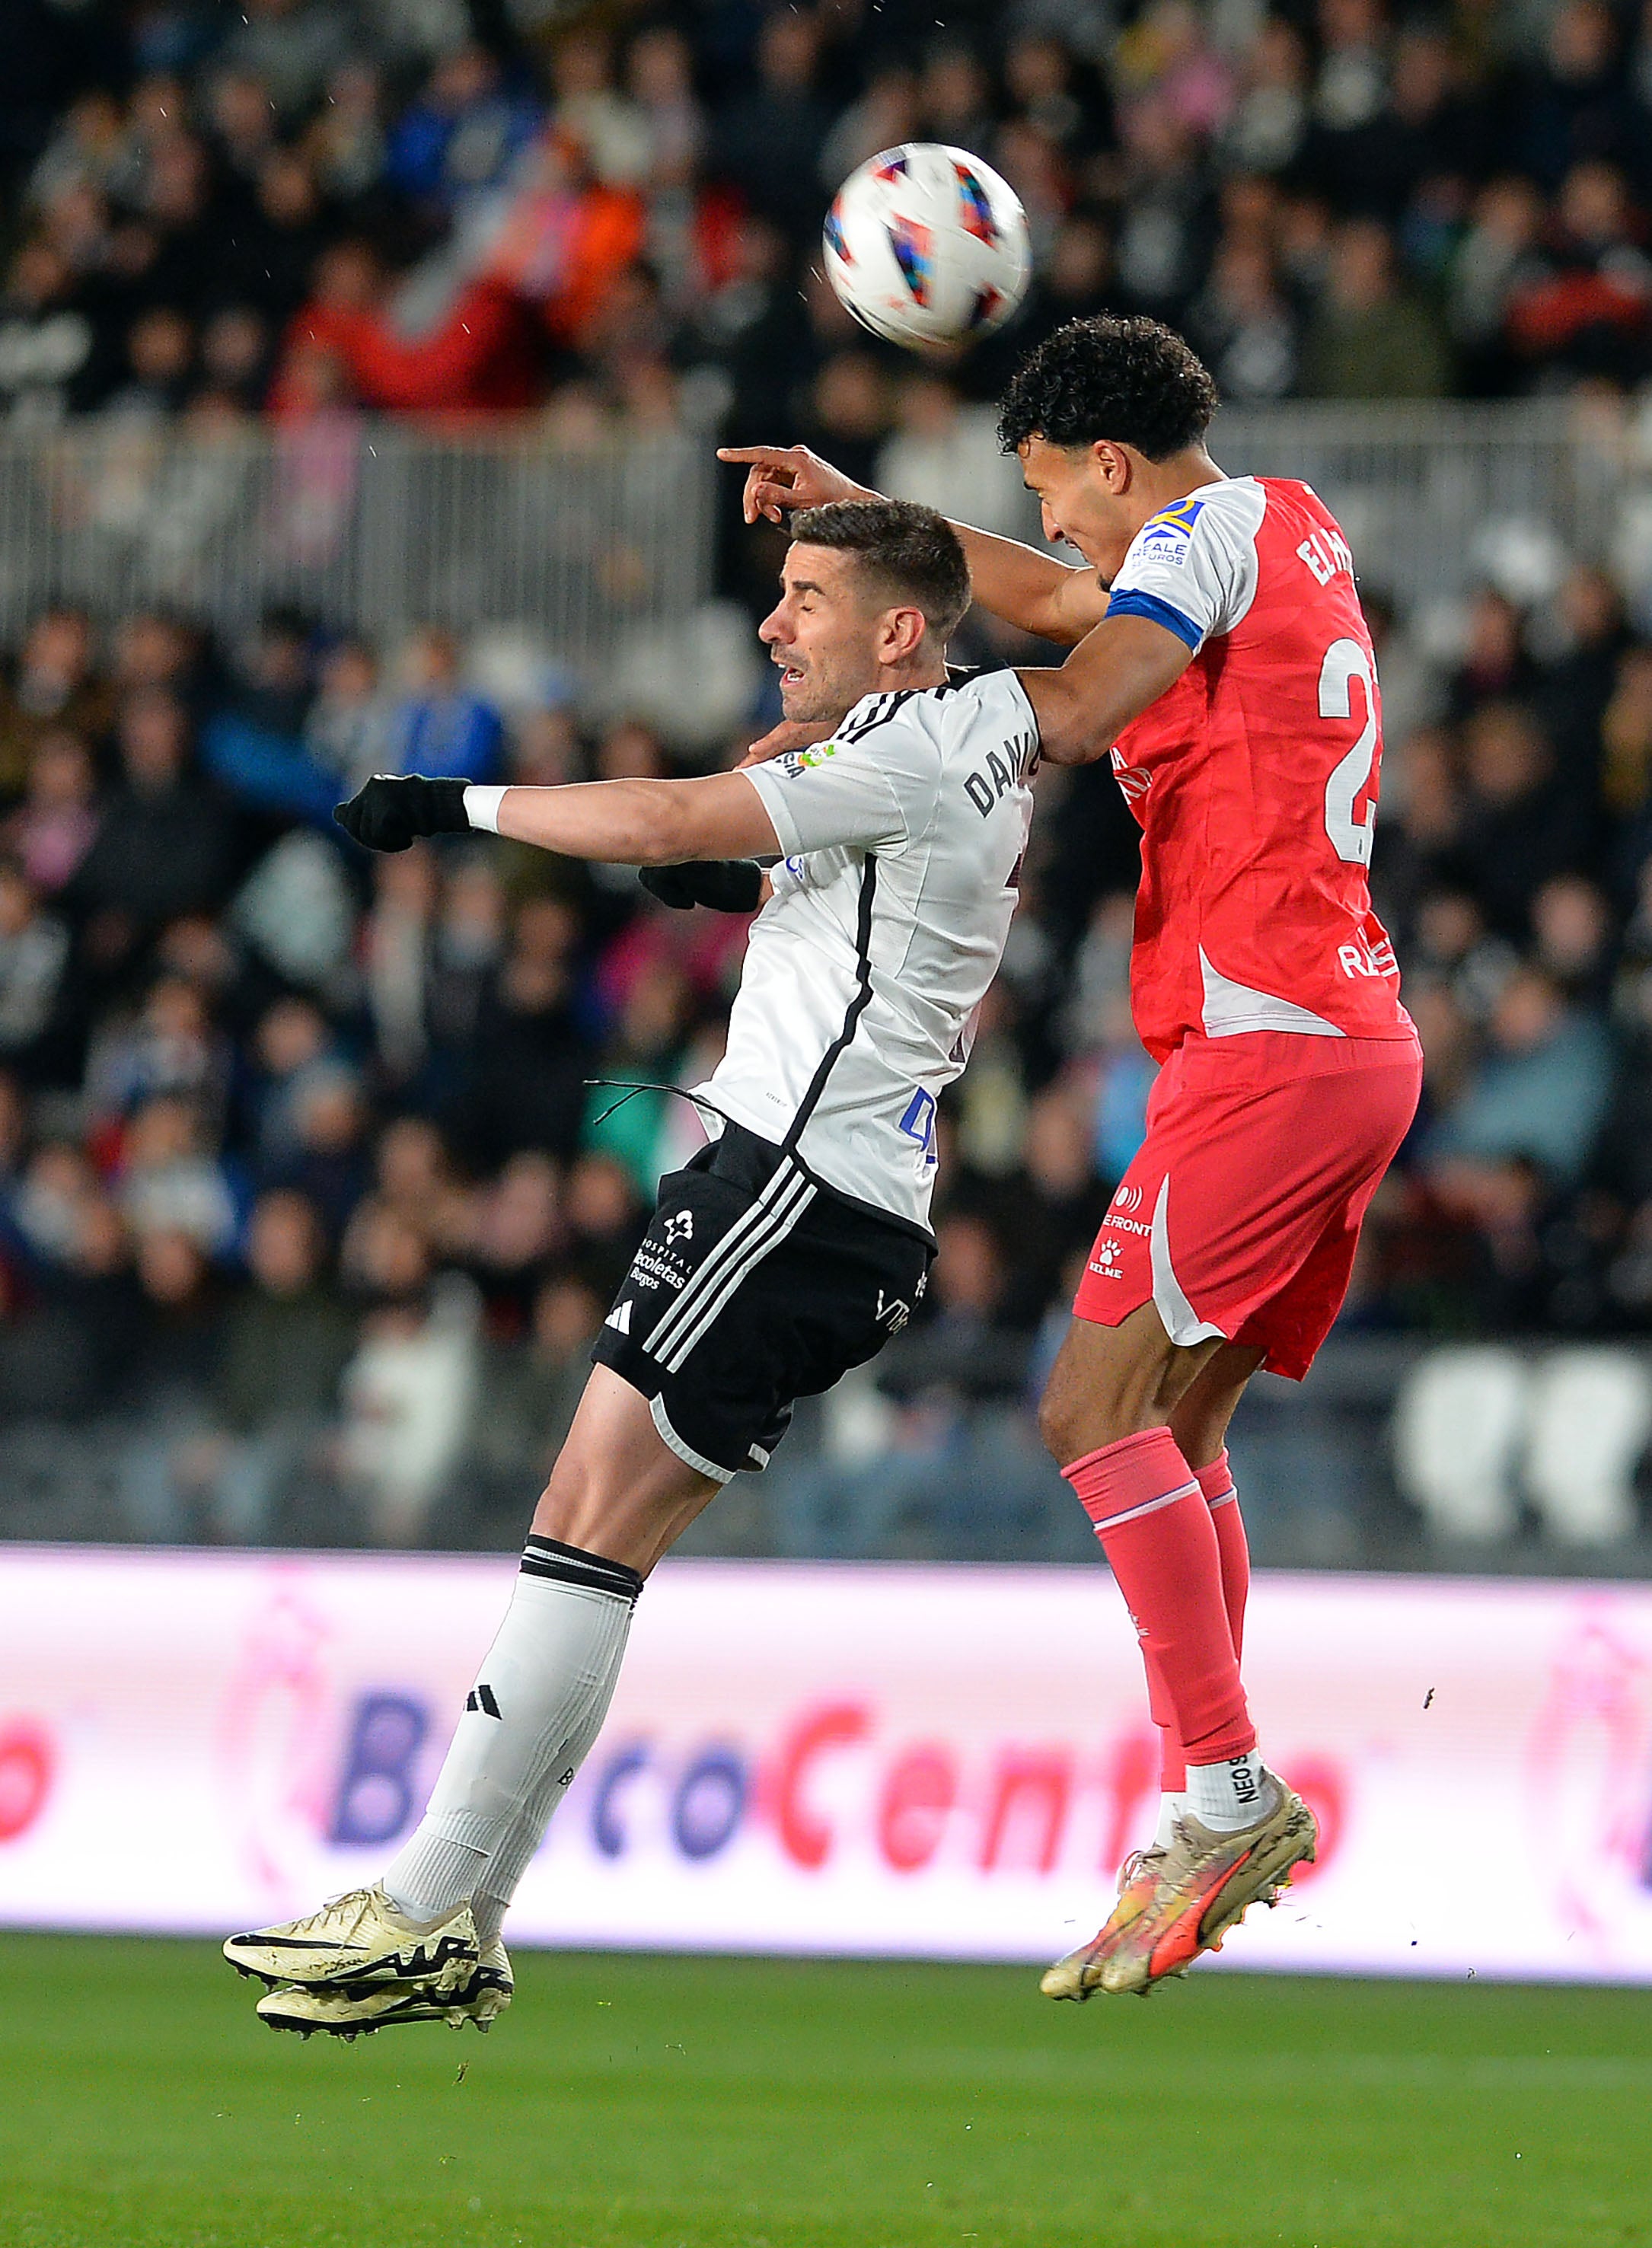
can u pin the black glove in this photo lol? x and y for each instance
(725, 885)
(387, 815)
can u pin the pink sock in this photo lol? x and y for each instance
(1173, 1765)
(1157, 1532)
(1216, 1483)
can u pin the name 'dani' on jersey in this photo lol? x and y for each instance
(1018, 763)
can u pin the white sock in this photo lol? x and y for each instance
(1171, 1809)
(528, 1724)
(497, 1881)
(1239, 1792)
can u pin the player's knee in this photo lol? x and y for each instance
(1074, 1421)
(578, 1506)
(1104, 1387)
(589, 1513)
(570, 1509)
(1055, 1425)
(1199, 1435)
(1070, 1431)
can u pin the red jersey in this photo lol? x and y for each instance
(1255, 776)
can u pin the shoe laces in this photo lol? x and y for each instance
(340, 1916)
(1141, 1863)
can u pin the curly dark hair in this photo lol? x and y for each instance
(909, 551)
(1118, 379)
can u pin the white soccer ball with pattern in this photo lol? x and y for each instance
(927, 245)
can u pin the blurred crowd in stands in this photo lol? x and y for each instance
(302, 207)
(317, 1173)
(312, 1186)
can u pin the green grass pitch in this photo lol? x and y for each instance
(631, 2102)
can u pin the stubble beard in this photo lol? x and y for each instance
(821, 697)
(812, 703)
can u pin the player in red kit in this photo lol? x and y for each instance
(1220, 658)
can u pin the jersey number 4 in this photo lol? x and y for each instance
(1344, 661)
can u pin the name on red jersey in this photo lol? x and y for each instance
(1327, 552)
(1367, 959)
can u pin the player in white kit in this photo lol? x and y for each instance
(788, 1251)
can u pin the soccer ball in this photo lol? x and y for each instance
(927, 245)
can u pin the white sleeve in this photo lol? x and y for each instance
(835, 792)
(1193, 567)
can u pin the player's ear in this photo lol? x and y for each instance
(1113, 465)
(903, 631)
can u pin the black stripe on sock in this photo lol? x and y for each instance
(571, 1565)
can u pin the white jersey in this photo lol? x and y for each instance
(903, 838)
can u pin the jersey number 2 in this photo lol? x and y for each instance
(1344, 661)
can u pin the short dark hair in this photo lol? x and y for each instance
(909, 549)
(1118, 379)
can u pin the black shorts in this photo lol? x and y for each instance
(754, 1286)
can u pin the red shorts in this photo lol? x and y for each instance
(1240, 1214)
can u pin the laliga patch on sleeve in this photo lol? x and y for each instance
(796, 762)
(1168, 537)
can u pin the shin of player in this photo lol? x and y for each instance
(1120, 1399)
(425, 1942)
(1128, 1411)
(1233, 1555)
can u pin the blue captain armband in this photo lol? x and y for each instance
(1131, 604)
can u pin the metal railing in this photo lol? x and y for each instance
(375, 524)
(380, 524)
(1429, 494)
(1435, 496)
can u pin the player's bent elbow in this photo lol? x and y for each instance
(657, 845)
(1067, 732)
(1075, 612)
(1058, 750)
(1052, 623)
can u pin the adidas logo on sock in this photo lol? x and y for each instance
(620, 1318)
(481, 1699)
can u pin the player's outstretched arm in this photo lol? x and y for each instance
(626, 823)
(1031, 590)
(1110, 678)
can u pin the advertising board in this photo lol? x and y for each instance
(948, 1763)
